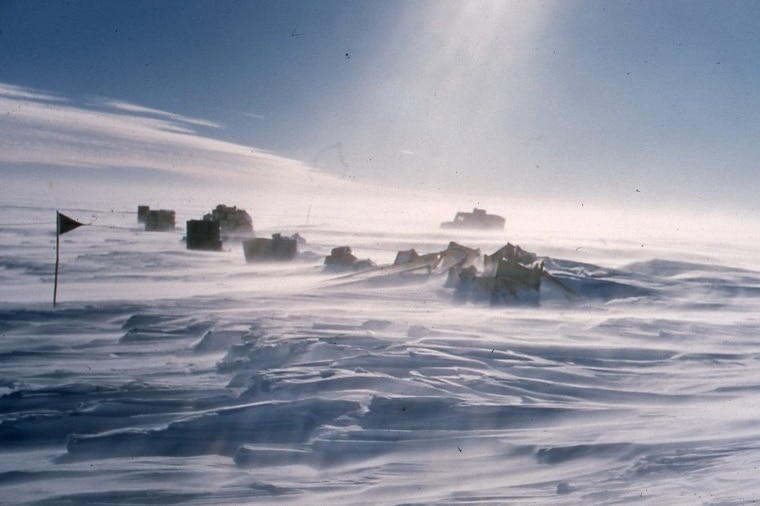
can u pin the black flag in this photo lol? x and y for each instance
(66, 224)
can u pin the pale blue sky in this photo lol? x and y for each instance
(574, 99)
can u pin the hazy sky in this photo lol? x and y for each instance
(581, 100)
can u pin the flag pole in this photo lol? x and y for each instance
(57, 244)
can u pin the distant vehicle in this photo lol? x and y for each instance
(477, 219)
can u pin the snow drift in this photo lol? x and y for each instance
(180, 377)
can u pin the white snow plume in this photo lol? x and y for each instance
(40, 130)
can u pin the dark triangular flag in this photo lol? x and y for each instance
(66, 224)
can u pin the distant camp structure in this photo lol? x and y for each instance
(509, 275)
(222, 223)
(142, 214)
(477, 219)
(343, 259)
(161, 220)
(203, 235)
(233, 222)
(278, 248)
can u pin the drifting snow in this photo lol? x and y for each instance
(179, 377)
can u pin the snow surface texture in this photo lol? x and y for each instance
(167, 376)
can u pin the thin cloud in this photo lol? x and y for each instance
(18, 93)
(120, 105)
(253, 115)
